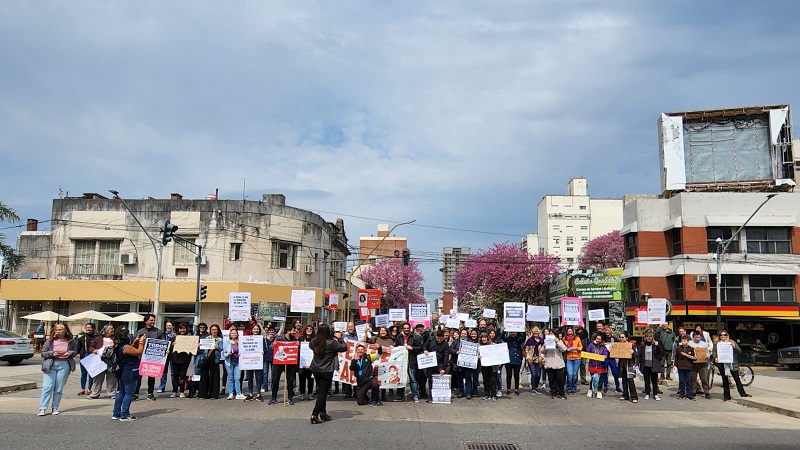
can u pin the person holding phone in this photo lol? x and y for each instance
(57, 363)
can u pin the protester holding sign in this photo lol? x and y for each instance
(104, 339)
(305, 375)
(180, 364)
(290, 370)
(384, 340)
(148, 331)
(700, 365)
(650, 353)
(574, 348)
(535, 366)
(728, 367)
(488, 373)
(554, 364)
(230, 349)
(326, 347)
(684, 357)
(413, 343)
(597, 368)
(209, 366)
(515, 341)
(627, 370)
(254, 389)
(441, 348)
(361, 366)
(128, 354)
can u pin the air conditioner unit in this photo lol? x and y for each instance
(309, 268)
(127, 258)
(701, 278)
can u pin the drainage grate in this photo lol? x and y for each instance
(489, 446)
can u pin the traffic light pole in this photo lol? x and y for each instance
(197, 293)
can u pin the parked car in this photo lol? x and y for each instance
(14, 348)
(789, 356)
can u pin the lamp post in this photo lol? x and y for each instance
(157, 248)
(722, 247)
(350, 278)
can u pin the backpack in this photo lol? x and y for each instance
(110, 357)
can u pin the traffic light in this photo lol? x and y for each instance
(203, 291)
(169, 230)
(406, 256)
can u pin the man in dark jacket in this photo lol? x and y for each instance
(148, 331)
(413, 343)
(442, 349)
(365, 377)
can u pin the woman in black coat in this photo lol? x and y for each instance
(326, 347)
(650, 354)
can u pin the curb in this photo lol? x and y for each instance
(770, 408)
(18, 387)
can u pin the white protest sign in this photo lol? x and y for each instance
(382, 320)
(440, 389)
(239, 306)
(724, 353)
(538, 314)
(641, 317)
(333, 300)
(549, 342)
(419, 313)
(251, 349)
(596, 315)
(462, 317)
(423, 361)
(452, 323)
(656, 311)
(339, 326)
(306, 355)
(397, 315)
(303, 301)
(444, 318)
(468, 355)
(493, 354)
(453, 312)
(489, 313)
(514, 316)
(93, 364)
(207, 343)
(471, 323)
(571, 311)
(361, 331)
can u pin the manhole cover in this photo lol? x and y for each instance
(489, 446)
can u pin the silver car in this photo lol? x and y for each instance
(789, 356)
(14, 348)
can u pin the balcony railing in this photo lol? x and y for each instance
(90, 272)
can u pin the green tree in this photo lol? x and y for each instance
(12, 260)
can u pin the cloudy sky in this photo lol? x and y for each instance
(459, 114)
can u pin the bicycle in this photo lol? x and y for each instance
(746, 374)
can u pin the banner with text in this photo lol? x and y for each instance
(154, 358)
(239, 306)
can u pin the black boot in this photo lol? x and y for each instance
(315, 419)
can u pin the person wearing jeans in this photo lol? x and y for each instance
(84, 341)
(574, 348)
(57, 363)
(230, 349)
(413, 343)
(169, 334)
(684, 357)
(128, 355)
(269, 345)
(650, 353)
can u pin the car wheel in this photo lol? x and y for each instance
(14, 362)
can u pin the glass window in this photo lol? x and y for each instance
(109, 252)
(584, 227)
(236, 251)
(724, 233)
(768, 240)
(183, 253)
(283, 255)
(676, 287)
(674, 236)
(631, 246)
(184, 308)
(632, 284)
(61, 307)
(111, 307)
(84, 252)
(29, 306)
(771, 288)
(731, 287)
(582, 207)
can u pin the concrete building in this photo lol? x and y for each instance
(380, 246)
(567, 222)
(452, 260)
(97, 257)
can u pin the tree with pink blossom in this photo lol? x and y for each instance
(504, 272)
(603, 252)
(399, 284)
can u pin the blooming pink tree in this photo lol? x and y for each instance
(504, 272)
(603, 252)
(399, 284)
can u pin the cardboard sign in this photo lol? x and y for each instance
(596, 315)
(154, 358)
(489, 313)
(185, 344)
(514, 316)
(397, 315)
(286, 352)
(594, 356)
(538, 314)
(303, 301)
(423, 362)
(621, 350)
(702, 354)
(440, 389)
(571, 311)
(239, 306)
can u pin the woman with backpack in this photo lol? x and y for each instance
(57, 363)
(128, 354)
(104, 339)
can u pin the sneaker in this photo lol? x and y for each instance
(469, 396)
(618, 390)
(600, 395)
(240, 397)
(635, 401)
(231, 397)
(416, 399)
(127, 419)
(373, 404)
(646, 397)
(589, 394)
(290, 402)
(173, 395)
(494, 399)
(160, 391)
(42, 413)
(272, 401)
(534, 392)
(499, 393)
(114, 418)
(55, 412)
(150, 397)
(182, 395)
(263, 390)
(622, 399)
(657, 397)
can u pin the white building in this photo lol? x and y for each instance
(567, 222)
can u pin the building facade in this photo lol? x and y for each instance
(96, 256)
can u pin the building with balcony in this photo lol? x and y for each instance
(96, 256)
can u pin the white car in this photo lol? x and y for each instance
(14, 348)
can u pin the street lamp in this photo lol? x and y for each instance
(350, 278)
(722, 247)
(157, 248)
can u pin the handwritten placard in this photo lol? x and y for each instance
(621, 350)
(185, 344)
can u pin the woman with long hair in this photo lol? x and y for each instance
(209, 373)
(326, 347)
(231, 352)
(128, 354)
(574, 348)
(104, 339)
(257, 373)
(305, 375)
(180, 364)
(553, 360)
(57, 363)
(535, 365)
